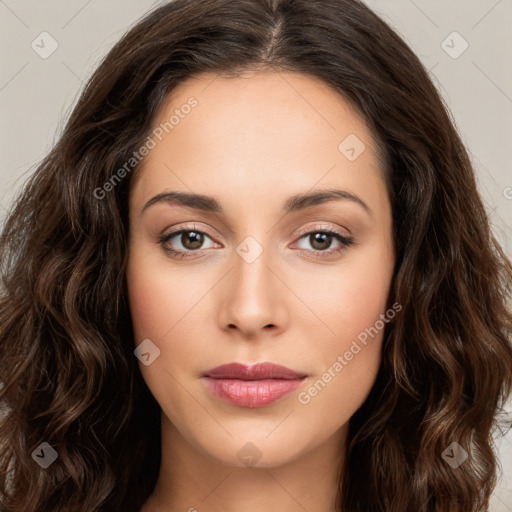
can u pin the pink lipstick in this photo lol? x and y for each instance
(255, 385)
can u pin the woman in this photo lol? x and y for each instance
(254, 273)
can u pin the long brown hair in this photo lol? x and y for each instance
(69, 375)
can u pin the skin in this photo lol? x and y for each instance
(252, 142)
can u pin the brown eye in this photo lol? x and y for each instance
(184, 243)
(192, 239)
(320, 241)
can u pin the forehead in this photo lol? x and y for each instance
(276, 107)
(258, 130)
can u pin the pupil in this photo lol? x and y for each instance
(323, 238)
(191, 235)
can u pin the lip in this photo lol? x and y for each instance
(256, 371)
(252, 386)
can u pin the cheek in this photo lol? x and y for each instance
(157, 296)
(164, 307)
(352, 299)
(354, 306)
(150, 303)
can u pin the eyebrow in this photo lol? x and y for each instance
(293, 204)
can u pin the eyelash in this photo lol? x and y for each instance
(345, 241)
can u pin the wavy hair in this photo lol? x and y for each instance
(69, 376)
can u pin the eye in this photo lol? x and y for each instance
(191, 240)
(321, 241)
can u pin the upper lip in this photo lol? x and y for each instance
(255, 371)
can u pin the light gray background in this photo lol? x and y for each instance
(37, 94)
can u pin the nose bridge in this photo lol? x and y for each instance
(252, 297)
(251, 273)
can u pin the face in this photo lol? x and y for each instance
(256, 272)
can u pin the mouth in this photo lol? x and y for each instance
(252, 386)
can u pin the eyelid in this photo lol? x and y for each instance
(319, 227)
(192, 227)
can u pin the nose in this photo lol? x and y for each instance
(253, 298)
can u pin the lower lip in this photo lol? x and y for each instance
(252, 393)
